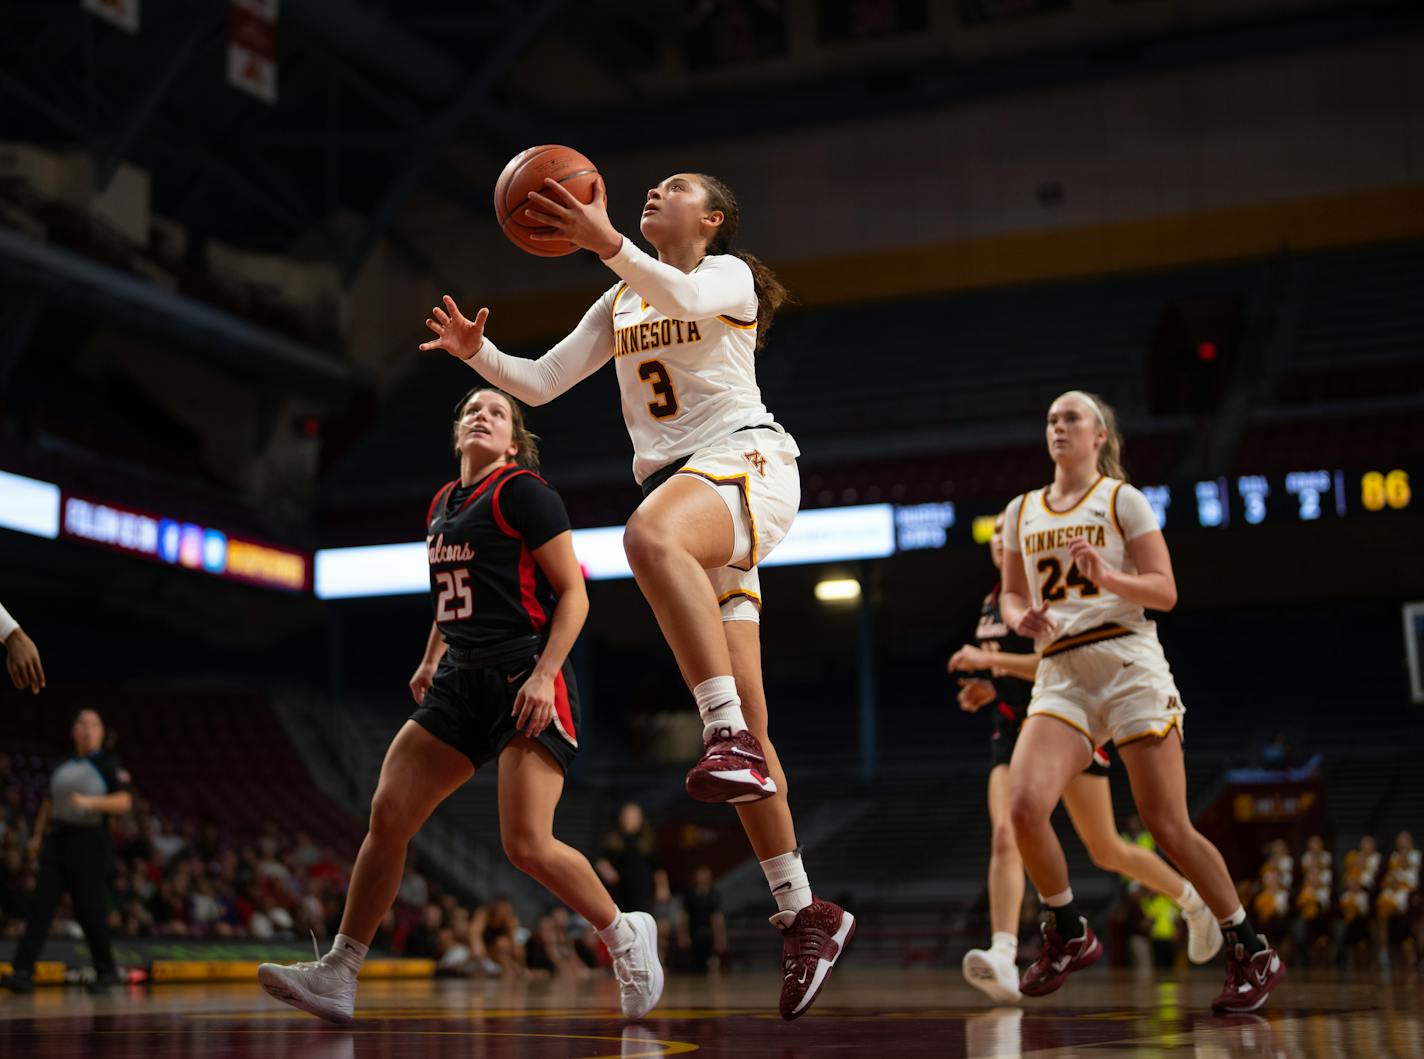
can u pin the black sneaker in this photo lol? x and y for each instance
(18, 981)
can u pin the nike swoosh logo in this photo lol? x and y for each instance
(784, 886)
(511, 680)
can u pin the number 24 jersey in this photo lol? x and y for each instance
(1109, 515)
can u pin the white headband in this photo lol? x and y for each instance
(1097, 409)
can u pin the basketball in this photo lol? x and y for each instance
(527, 172)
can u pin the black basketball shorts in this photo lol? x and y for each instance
(468, 707)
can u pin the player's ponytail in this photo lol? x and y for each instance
(770, 293)
(520, 434)
(1110, 455)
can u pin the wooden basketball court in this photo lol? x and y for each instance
(865, 1012)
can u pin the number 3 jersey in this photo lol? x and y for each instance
(485, 586)
(683, 346)
(1111, 514)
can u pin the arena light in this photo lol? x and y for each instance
(838, 590)
(838, 534)
(373, 570)
(28, 505)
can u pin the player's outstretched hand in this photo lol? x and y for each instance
(586, 226)
(22, 659)
(421, 681)
(1035, 622)
(456, 335)
(534, 705)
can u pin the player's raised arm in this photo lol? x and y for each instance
(582, 352)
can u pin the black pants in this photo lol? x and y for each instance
(80, 860)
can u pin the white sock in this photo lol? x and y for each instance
(1060, 899)
(719, 706)
(348, 953)
(619, 934)
(786, 875)
(1235, 919)
(1005, 942)
(1190, 901)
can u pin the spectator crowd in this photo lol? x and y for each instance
(176, 877)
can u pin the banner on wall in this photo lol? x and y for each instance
(252, 48)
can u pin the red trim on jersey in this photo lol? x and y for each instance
(562, 712)
(439, 497)
(499, 518)
(528, 589)
(490, 479)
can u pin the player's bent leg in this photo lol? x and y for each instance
(994, 970)
(680, 530)
(1006, 869)
(815, 932)
(1088, 800)
(1048, 754)
(418, 773)
(767, 822)
(1156, 768)
(530, 785)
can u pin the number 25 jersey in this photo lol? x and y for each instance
(485, 585)
(1109, 515)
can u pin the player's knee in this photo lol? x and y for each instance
(391, 818)
(645, 542)
(1171, 831)
(1106, 856)
(527, 851)
(1004, 843)
(1027, 811)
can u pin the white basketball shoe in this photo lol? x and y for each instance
(639, 974)
(324, 987)
(994, 972)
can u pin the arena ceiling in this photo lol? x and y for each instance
(381, 100)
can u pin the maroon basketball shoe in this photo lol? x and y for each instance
(1249, 980)
(1059, 959)
(812, 941)
(732, 769)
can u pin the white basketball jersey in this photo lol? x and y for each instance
(1110, 514)
(684, 383)
(687, 375)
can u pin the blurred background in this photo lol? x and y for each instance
(223, 224)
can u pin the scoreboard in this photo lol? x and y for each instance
(1302, 496)
(1296, 496)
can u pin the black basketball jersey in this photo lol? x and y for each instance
(1013, 692)
(485, 586)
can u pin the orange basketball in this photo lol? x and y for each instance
(526, 172)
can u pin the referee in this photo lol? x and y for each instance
(76, 852)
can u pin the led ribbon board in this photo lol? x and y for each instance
(181, 543)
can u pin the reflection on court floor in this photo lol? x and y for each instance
(865, 1012)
